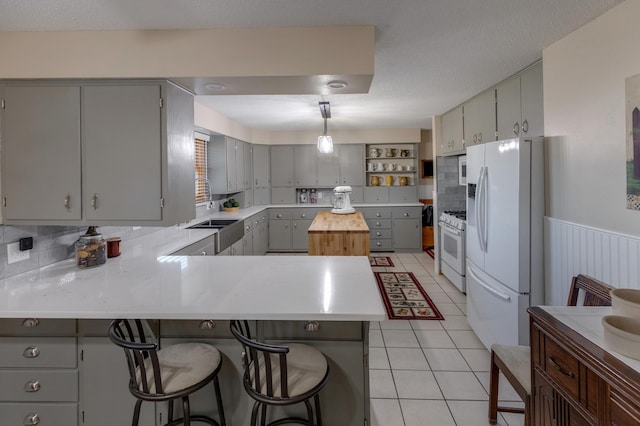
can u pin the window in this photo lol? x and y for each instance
(201, 181)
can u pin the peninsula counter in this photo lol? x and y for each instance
(186, 298)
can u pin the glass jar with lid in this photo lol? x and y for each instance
(91, 249)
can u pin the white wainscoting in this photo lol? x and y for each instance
(572, 249)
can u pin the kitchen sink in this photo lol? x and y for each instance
(214, 223)
(229, 231)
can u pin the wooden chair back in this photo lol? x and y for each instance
(596, 293)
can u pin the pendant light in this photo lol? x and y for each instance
(325, 143)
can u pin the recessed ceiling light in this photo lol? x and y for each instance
(214, 86)
(337, 84)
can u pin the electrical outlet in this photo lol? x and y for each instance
(14, 254)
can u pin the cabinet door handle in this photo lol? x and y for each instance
(525, 126)
(67, 202)
(94, 201)
(480, 137)
(516, 128)
(406, 215)
(303, 215)
(279, 216)
(558, 367)
(312, 326)
(31, 419)
(31, 352)
(30, 322)
(475, 139)
(33, 386)
(378, 214)
(207, 324)
(204, 253)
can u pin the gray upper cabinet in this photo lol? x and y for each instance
(248, 165)
(41, 164)
(453, 132)
(122, 132)
(226, 159)
(351, 164)
(329, 168)
(261, 166)
(128, 145)
(520, 104)
(282, 165)
(480, 118)
(305, 165)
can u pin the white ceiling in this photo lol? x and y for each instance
(431, 55)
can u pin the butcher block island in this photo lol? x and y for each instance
(333, 234)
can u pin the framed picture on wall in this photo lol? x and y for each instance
(427, 169)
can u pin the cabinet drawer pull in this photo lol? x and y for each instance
(207, 324)
(378, 215)
(204, 253)
(31, 419)
(31, 352)
(30, 322)
(406, 215)
(378, 224)
(378, 234)
(378, 243)
(480, 137)
(33, 386)
(279, 216)
(558, 367)
(303, 215)
(311, 326)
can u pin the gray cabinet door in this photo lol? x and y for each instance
(480, 118)
(281, 166)
(305, 165)
(376, 194)
(351, 164)
(239, 157)
(104, 386)
(261, 163)
(247, 149)
(531, 92)
(329, 168)
(122, 149)
(280, 235)
(41, 169)
(403, 194)
(300, 234)
(407, 234)
(232, 166)
(508, 108)
(452, 132)
(261, 196)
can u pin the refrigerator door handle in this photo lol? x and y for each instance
(480, 210)
(485, 190)
(487, 287)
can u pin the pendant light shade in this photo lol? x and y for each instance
(325, 143)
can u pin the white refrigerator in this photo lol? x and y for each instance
(504, 238)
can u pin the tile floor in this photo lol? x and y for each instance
(429, 372)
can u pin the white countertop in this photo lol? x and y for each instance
(144, 282)
(587, 320)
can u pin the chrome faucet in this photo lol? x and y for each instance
(210, 199)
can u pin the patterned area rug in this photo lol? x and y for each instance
(430, 252)
(380, 261)
(404, 297)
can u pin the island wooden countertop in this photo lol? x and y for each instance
(327, 222)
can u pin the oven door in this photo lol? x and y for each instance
(452, 251)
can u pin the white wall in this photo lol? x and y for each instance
(584, 113)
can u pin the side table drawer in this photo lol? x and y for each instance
(39, 385)
(26, 352)
(39, 414)
(562, 367)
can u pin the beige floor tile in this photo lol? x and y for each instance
(472, 413)
(395, 325)
(434, 339)
(407, 359)
(375, 339)
(449, 309)
(426, 412)
(400, 339)
(446, 360)
(381, 384)
(456, 323)
(465, 339)
(416, 384)
(426, 325)
(386, 412)
(505, 390)
(460, 385)
(478, 359)
(378, 359)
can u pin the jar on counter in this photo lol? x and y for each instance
(91, 249)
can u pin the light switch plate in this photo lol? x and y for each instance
(14, 254)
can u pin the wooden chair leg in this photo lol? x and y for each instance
(493, 391)
(527, 412)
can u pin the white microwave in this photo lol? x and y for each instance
(462, 170)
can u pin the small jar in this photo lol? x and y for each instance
(91, 249)
(113, 247)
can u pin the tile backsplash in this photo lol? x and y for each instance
(53, 243)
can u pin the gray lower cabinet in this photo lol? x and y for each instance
(280, 229)
(288, 228)
(300, 234)
(260, 234)
(407, 230)
(104, 380)
(379, 223)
